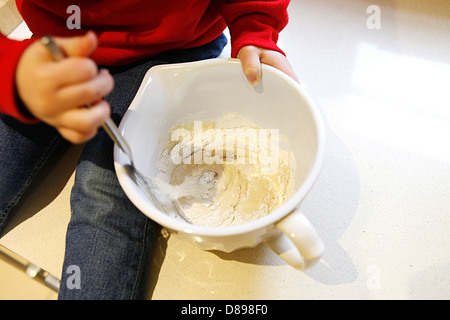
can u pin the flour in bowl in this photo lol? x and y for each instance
(236, 170)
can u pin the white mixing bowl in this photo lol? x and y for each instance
(205, 90)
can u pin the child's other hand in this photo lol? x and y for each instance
(57, 92)
(251, 58)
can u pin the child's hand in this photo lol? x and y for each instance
(251, 58)
(57, 92)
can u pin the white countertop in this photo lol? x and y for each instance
(382, 201)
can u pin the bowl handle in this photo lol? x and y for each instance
(298, 243)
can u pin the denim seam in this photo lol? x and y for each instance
(140, 266)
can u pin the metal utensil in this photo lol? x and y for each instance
(150, 185)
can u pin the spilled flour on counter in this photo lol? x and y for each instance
(227, 172)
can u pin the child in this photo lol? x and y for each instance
(42, 104)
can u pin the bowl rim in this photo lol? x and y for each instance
(147, 208)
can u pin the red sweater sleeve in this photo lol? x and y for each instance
(10, 104)
(255, 23)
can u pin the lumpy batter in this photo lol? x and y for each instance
(233, 170)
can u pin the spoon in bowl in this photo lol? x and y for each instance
(151, 186)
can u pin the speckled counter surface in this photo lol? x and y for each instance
(382, 201)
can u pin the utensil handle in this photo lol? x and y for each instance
(111, 129)
(57, 53)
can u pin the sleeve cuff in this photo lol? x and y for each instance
(255, 32)
(10, 102)
(256, 23)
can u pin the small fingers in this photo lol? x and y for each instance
(85, 119)
(79, 46)
(278, 61)
(251, 64)
(75, 136)
(71, 71)
(86, 92)
(251, 58)
(81, 124)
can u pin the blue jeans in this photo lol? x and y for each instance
(108, 242)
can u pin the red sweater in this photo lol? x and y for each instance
(130, 30)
